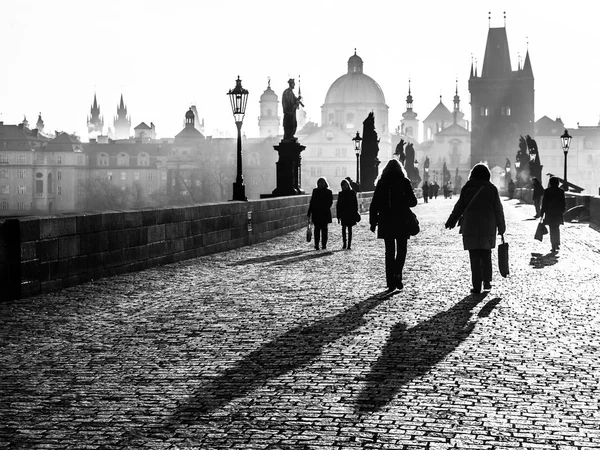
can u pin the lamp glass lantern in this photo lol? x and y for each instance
(238, 96)
(566, 141)
(357, 144)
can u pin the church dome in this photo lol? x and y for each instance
(355, 86)
(269, 95)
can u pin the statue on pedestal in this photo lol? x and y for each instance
(290, 104)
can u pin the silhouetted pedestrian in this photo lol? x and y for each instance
(553, 208)
(425, 189)
(538, 192)
(511, 189)
(347, 212)
(353, 184)
(320, 210)
(482, 216)
(436, 189)
(389, 211)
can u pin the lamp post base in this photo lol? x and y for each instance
(239, 192)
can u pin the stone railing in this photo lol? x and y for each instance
(42, 254)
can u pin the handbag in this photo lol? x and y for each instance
(358, 217)
(540, 231)
(412, 223)
(308, 232)
(503, 258)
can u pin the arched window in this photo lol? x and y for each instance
(143, 159)
(102, 159)
(122, 159)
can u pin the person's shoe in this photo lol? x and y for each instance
(316, 247)
(487, 286)
(349, 248)
(344, 246)
(324, 247)
(475, 291)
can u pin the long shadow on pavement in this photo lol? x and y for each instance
(412, 352)
(269, 258)
(296, 348)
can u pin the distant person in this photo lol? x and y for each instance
(436, 189)
(552, 210)
(482, 216)
(538, 193)
(425, 189)
(390, 207)
(511, 189)
(347, 212)
(353, 184)
(319, 209)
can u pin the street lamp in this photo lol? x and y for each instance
(357, 149)
(239, 98)
(566, 143)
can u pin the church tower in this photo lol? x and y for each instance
(409, 122)
(122, 122)
(502, 103)
(268, 122)
(95, 123)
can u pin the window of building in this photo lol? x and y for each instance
(122, 159)
(59, 190)
(109, 175)
(319, 151)
(150, 176)
(79, 160)
(80, 175)
(39, 187)
(102, 159)
(5, 189)
(123, 176)
(409, 131)
(21, 206)
(143, 159)
(330, 118)
(316, 171)
(136, 176)
(163, 176)
(269, 113)
(4, 205)
(3, 158)
(59, 175)
(21, 173)
(484, 111)
(21, 159)
(80, 191)
(340, 152)
(21, 189)
(59, 159)
(4, 173)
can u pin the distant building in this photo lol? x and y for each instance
(122, 122)
(145, 133)
(268, 121)
(502, 103)
(95, 122)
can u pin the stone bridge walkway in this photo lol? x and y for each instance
(278, 346)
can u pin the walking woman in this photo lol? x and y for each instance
(482, 217)
(553, 208)
(538, 192)
(347, 212)
(388, 213)
(320, 210)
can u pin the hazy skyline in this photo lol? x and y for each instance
(165, 56)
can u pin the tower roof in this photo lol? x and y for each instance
(496, 62)
(440, 113)
(269, 95)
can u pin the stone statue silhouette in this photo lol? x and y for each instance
(290, 104)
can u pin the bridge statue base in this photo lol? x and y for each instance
(288, 169)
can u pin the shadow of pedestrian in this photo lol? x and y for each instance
(411, 352)
(539, 261)
(312, 255)
(269, 258)
(296, 348)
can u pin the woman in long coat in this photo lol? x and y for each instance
(538, 192)
(320, 210)
(389, 211)
(553, 208)
(482, 218)
(347, 211)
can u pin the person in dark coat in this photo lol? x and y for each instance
(390, 208)
(482, 217)
(552, 210)
(538, 192)
(511, 189)
(319, 209)
(347, 211)
(353, 184)
(436, 189)
(425, 188)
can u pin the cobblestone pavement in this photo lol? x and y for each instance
(278, 346)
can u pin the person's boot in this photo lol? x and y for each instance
(349, 243)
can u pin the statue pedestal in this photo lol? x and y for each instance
(288, 169)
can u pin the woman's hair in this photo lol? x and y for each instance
(345, 182)
(393, 169)
(481, 172)
(324, 181)
(553, 182)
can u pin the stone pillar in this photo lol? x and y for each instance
(288, 168)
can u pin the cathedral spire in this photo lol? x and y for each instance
(409, 98)
(527, 70)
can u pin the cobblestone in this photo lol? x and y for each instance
(278, 346)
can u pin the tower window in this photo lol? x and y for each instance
(269, 113)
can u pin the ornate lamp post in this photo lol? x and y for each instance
(239, 98)
(566, 143)
(357, 149)
(518, 170)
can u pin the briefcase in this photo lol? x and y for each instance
(503, 258)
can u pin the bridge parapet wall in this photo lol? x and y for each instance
(591, 202)
(42, 254)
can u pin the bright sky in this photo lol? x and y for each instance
(164, 56)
